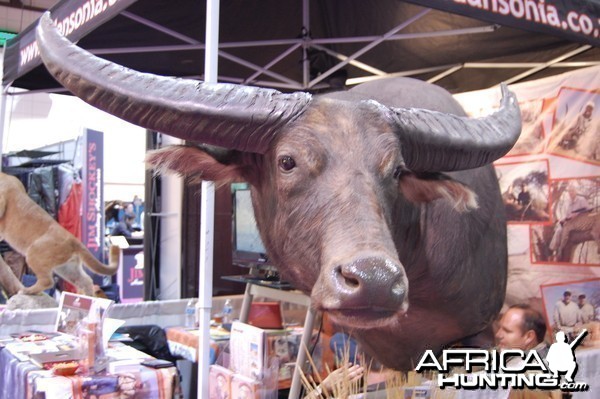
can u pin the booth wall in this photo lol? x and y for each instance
(551, 155)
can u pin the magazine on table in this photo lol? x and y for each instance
(74, 308)
(46, 360)
(27, 343)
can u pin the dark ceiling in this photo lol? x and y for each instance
(435, 43)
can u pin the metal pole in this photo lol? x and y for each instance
(369, 46)
(305, 44)
(309, 322)
(207, 212)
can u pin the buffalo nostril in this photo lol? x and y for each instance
(347, 278)
(351, 282)
(370, 282)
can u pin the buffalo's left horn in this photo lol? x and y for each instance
(226, 115)
(436, 141)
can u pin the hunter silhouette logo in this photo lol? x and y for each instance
(561, 355)
(511, 368)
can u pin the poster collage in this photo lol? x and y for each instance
(550, 185)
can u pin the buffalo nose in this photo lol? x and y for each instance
(370, 283)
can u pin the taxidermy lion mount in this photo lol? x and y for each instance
(46, 245)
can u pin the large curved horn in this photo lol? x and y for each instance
(436, 141)
(231, 116)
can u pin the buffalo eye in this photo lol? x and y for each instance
(286, 163)
(398, 172)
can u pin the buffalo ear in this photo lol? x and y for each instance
(193, 163)
(426, 187)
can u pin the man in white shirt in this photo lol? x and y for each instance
(586, 309)
(566, 314)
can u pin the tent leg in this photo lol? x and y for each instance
(207, 214)
(309, 322)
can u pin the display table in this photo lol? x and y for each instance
(183, 342)
(21, 379)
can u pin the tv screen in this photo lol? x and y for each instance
(247, 237)
(247, 244)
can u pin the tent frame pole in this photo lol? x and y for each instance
(207, 213)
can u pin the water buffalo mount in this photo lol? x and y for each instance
(380, 202)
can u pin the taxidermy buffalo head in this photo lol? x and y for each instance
(348, 189)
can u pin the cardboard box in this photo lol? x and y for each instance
(219, 382)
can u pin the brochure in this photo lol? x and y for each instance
(247, 346)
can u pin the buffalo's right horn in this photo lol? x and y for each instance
(231, 116)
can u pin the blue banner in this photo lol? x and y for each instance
(92, 234)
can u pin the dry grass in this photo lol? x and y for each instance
(395, 383)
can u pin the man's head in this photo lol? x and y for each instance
(581, 299)
(567, 296)
(129, 217)
(521, 327)
(589, 109)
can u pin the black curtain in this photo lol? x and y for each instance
(152, 200)
(222, 256)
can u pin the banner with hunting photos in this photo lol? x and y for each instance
(550, 184)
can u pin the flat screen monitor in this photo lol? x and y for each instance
(248, 247)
